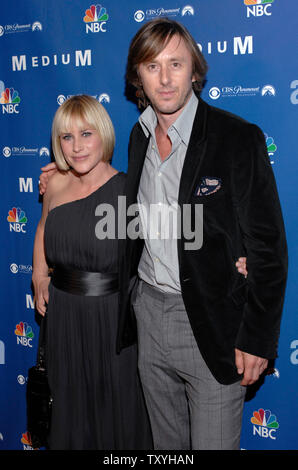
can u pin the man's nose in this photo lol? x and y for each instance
(165, 77)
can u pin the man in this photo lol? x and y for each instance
(204, 331)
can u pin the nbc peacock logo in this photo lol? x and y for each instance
(257, 2)
(264, 424)
(26, 441)
(96, 18)
(17, 220)
(24, 334)
(271, 148)
(9, 100)
(258, 7)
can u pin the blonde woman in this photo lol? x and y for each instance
(97, 399)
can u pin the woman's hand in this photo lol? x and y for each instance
(41, 294)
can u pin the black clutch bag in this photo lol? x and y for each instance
(39, 400)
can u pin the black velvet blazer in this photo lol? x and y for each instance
(226, 169)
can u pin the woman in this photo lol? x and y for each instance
(97, 399)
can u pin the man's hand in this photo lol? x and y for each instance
(241, 266)
(47, 172)
(250, 366)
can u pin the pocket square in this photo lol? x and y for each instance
(208, 185)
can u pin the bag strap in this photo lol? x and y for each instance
(41, 352)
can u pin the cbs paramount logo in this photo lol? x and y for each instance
(102, 98)
(22, 150)
(150, 13)
(238, 90)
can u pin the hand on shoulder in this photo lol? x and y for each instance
(58, 181)
(47, 172)
(55, 188)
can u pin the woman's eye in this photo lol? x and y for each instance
(86, 134)
(66, 137)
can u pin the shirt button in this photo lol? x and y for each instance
(159, 173)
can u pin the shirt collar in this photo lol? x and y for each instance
(182, 125)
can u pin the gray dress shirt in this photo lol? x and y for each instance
(158, 200)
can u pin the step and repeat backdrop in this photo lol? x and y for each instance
(51, 50)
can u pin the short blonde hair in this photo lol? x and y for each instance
(79, 109)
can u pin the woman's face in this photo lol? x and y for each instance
(82, 147)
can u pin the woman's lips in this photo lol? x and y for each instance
(79, 158)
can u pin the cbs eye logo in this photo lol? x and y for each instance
(6, 152)
(214, 93)
(139, 16)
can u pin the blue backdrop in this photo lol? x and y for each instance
(51, 50)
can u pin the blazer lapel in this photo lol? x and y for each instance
(137, 154)
(195, 153)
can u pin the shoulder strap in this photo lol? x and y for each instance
(42, 342)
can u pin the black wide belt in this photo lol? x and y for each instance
(83, 282)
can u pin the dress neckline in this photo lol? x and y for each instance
(89, 195)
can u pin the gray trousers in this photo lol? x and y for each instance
(188, 408)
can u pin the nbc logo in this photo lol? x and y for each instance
(9, 99)
(24, 334)
(17, 220)
(26, 441)
(271, 147)
(96, 19)
(258, 7)
(264, 424)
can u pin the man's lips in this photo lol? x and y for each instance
(166, 93)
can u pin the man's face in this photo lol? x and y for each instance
(167, 79)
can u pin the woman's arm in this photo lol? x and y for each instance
(40, 274)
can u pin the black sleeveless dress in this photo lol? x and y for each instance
(97, 397)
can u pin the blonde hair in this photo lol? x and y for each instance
(79, 109)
